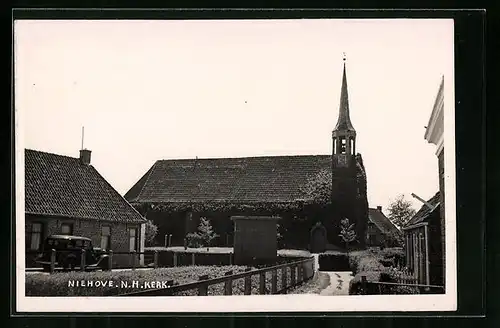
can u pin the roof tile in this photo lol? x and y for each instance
(57, 185)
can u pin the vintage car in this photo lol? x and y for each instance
(68, 253)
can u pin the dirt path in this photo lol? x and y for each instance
(339, 283)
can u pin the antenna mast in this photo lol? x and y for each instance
(83, 134)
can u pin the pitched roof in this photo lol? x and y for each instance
(247, 179)
(424, 212)
(57, 185)
(381, 221)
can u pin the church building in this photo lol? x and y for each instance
(174, 194)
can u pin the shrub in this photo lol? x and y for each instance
(333, 262)
(371, 276)
(194, 240)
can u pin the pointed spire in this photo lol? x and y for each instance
(344, 121)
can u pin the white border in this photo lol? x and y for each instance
(257, 303)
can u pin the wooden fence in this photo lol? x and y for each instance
(382, 287)
(292, 274)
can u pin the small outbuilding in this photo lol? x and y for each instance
(255, 239)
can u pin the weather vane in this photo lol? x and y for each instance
(343, 54)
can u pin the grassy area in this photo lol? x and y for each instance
(58, 284)
(64, 283)
(319, 282)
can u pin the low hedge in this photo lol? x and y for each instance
(333, 262)
(58, 284)
(166, 258)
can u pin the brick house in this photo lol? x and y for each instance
(380, 230)
(66, 195)
(429, 222)
(175, 193)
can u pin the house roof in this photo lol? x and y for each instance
(62, 186)
(247, 179)
(424, 212)
(381, 221)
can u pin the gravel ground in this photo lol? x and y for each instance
(319, 282)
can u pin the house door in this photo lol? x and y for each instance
(318, 239)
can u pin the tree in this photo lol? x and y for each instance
(400, 211)
(206, 232)
(347, 232)
(150, 233)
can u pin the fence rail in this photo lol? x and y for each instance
(424, 289)
(300, 271)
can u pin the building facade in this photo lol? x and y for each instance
(425, 232)
(67, 196)
(175, 193)
(380, 230)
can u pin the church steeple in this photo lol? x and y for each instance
(344, 120)
(344, 134)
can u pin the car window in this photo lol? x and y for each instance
(79, 243)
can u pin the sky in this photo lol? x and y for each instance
(151, 90)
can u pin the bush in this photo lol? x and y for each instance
(194, 240)
(334, 262)
(371, 276)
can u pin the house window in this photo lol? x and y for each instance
(106, 237)
(35, 236)
(67, 228)
(132, 236)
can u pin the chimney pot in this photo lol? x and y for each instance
(85, 156)
(379, 208)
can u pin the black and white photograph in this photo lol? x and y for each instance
(235, 165)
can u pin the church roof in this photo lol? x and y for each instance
(344, 121)
(246, 179)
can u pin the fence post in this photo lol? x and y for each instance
(230, 258)
(134, 264)
(274, 282)
(203, 288)
(169, 240)
(156, 259)
(299, 273)
(52, 260)
(166, 240)
(363, 285)
(82, 260)
(110, 259)
(283, 279)
(175, 259)
(228, 284)
(193, 259)
(292, 275)
(248, 282)
(262, 283)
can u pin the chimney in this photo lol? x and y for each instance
(379, 208)
(85, 156)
